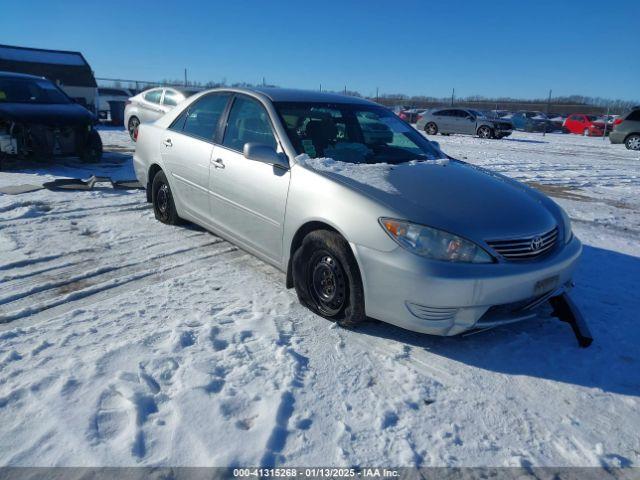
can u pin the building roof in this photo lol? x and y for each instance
(60, 66)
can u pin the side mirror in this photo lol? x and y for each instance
(260, 152)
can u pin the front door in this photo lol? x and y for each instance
(248, 198)
(186, 149)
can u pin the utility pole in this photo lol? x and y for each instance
(320, 87)
(185, 77)
(606, 121)
(264, 82)
(345, 89)
(453, 94)
(377, 97)
(544, 132)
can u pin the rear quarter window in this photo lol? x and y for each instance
(634, 116)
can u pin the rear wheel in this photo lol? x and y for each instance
(485, 132)
(327, 278)
(132, 126)
(164, 207)
(431, 128)
(633, 142)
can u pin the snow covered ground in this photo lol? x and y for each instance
(127, 342)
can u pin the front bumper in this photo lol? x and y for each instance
(441, 298)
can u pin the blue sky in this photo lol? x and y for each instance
(495, 48)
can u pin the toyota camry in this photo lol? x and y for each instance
(364, 214)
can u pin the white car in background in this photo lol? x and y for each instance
(150, 105)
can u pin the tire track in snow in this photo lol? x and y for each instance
(137, 277)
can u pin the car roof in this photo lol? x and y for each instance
(293, 95)
(19, 75)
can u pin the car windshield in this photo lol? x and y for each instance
(353, 133)
(30, 90)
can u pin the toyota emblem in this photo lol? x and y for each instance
(536, 244)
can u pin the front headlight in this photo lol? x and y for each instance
(433, 243)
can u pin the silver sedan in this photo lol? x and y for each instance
(364, 214)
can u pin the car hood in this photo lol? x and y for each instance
(70, 114)
(453, 196)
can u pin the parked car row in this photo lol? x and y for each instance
(500, 123)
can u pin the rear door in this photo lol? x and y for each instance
(186, 151)
(444, 120)
(248, 198)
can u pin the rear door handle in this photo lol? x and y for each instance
(167, 143)
(218, 163)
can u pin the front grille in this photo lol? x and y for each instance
(528, 248)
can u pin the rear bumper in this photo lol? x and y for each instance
(442, 298)
(617, 137)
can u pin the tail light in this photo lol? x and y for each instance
(418, 118)
(618, 121)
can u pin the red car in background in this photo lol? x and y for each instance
(587, 125)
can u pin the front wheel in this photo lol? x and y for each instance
(92, 150)
(327, 278)
(632, 142)
(431, 128)
(485, 132)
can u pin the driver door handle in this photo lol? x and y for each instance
(218, 163)
(167, 143)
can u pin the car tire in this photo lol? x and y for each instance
(632, 142)
(92, 150)
(164, 207)
(132, 127)
(327, 278)
(431, 129)
(485, 132)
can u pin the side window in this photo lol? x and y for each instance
(201, 118)
(171, 98)
(153, 96)
(634, 116)
(248, 122)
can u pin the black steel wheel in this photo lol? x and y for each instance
(327, 278)
(326, 283)
(163, 206)
(133, 125)
(92, 150)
